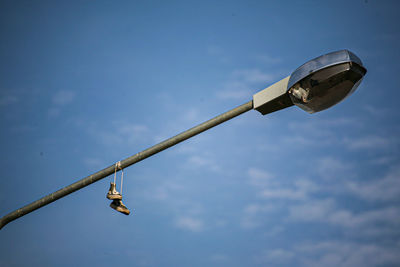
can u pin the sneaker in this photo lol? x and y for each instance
(113, 193)
(119, 206)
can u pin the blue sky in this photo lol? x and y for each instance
(84, 84)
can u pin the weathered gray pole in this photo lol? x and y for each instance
(125, 163)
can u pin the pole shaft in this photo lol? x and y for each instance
(126, 163)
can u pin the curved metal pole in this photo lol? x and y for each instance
(125, 163)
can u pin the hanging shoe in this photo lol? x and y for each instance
(113, 193)
(119, 206)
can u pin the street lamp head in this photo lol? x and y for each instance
(314, 86)
(325, 81)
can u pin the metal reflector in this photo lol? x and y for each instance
(325, 81)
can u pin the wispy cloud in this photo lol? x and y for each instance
(377, 112)
(122, 132)
(269, 188)
(63, 97)
(235, 91)
(244, 82)
(369, 142)
(203, 161)
(383, 160)
(253, 213)
(275, 257)
(253, 76)
(218, 54)
(315, 210)
(252, 216)
(165, 190)
(258, 177)
(214, 50)
(317, 125)
(220, 258)
(348, 254)
(332, 253)
(190, 224)
(318, 132)
(268, 59)
(325, 211)
(386, 188)
(325, 132)
(332, 168)
(59, 100)
(283, 193)
(91, 162)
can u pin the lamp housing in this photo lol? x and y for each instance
(325, 81)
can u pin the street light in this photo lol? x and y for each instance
(316, 85)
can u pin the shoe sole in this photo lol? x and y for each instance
(126, 212)
(119, 209)
(114, 197)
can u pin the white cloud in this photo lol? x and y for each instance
(244, 82)
(190, 223)
(63, 97)
(270, 188)
(300, 140)
(275, 257)
(383, 160)
(332, 253)
(253, 76)
(232, 93)
(121, 133)
(268, 59)
(93, 162)
(382, 232)
(249, 223)
(59, 100)
(131, 133)
(132, 128)
(203, 162)
(339, 253)
(252, 215)
(275, 230)
(258, 177)
(317, 132)
(198, 161)
(384, 189)
(369, 142)
(191, 115)
(325, 211)
(318, 125)
(377, 112)
(315, 210)
(332, 168)
(283, 193)
(159, 193)
(167, 190)
(54, 112)
(279, 255)
(214, 50)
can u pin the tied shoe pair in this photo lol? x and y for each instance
(116, 198)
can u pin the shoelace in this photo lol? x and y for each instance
(118, 166)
